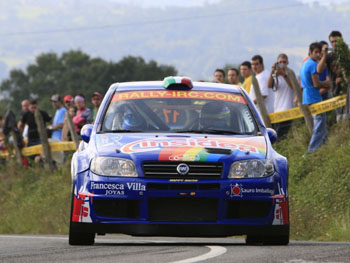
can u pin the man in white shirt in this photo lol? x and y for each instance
(262, 76)
(284, 94)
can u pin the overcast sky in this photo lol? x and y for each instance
(188, 3)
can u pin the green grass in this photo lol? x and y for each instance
(36, 201)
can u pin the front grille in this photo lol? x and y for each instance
(183, 209)
(248, 209)
(167, 170)
(117, 208)
(180, 186)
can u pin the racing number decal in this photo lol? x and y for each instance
(169, 113)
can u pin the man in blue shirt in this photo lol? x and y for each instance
(58, 120)
(311, 85)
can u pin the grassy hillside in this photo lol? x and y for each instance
(35, 201)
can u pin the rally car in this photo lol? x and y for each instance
(179, 158)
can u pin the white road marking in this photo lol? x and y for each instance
(215, 251)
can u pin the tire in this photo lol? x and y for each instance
(267, 240)
(79, 238)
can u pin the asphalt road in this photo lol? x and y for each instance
(121, 248)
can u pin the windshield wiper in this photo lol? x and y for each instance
(212, 131)
(119, 131)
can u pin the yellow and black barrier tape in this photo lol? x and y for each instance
(317, 108)
(294, 113)
(38, 149)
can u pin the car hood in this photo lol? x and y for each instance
(175, 147)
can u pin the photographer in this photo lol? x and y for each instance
(280, 82)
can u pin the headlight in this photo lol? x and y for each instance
(112, 166)
(254, 168)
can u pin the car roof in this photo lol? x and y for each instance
(156, 85)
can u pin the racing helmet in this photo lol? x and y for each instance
(132, 120)
(214, 115)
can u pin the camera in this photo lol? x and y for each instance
(279, 65)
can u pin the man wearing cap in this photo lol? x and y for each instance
(58, 119)
(96, 101)
(68, 101)
(83, 115)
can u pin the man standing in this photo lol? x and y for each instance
(262, 76)
(96, 102)
(29, 119)
(311, 94)
(219, 76)
(58, 119)
(246, 72)
(337, 81)
(232, 76)
(284, 94)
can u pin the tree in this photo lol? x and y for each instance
(74, 72)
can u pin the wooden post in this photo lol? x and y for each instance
(72, 130)
(15, 146)
(44, 140)
(303, 108)
(260, 101)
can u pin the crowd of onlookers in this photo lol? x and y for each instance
(319, 78)
(57, 126)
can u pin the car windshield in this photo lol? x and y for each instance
(178, 111)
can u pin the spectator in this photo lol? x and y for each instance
(246, 72)
(66, 134)
(96, 102)
(219, 76)
(233, 77)
(262, 76)
(311, 94)
(58, 119)
(338, 85)
(68, 101)
(29, 119)
(323, 75)
(83, 115)
(25, 108)
(284, 94)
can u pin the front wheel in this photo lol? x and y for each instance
(79, 238)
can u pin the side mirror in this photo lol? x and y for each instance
(85, 132)
(272, 134)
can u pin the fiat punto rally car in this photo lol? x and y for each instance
(179, 158)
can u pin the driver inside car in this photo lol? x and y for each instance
(214, 116)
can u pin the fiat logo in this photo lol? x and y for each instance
(182, 169)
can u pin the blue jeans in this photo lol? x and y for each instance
(319, 133)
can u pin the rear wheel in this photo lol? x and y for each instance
(79, 238)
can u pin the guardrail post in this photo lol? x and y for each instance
(303, 108)
(260, 102)
(15, 146)
(72, 130)
(44, 140)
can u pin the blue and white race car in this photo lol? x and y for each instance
(179, 158)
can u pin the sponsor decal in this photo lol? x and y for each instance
(182, 180)
(183, 94)
(81, 209)
(153, 144)
(239, 190)
(117, 188)
(281, 212)
(105, 140)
